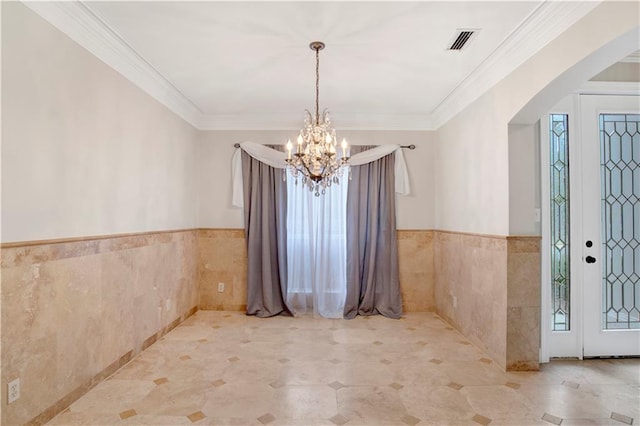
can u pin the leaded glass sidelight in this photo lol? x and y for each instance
(559, 223)
(620, 184)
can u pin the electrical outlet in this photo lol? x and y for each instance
(13, 391)
(220, 287)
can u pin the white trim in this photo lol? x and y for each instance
(576, 226)
(609, 88)
(634, 58)
(544, 24)
(76, 20)
(545, 264)
(293, 121)
(561, 343)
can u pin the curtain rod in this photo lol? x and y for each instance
(412, 146)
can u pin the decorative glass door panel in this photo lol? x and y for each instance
(620, 175)
(611, 213)
(559, 221)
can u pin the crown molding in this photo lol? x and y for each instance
(546, 22)
(609, 88)
(78, 22)
(634, 58)
(284, 122)
(245, 122)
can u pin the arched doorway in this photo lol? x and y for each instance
(526, 157)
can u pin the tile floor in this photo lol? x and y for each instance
(225, 368)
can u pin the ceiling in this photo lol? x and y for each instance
(248, 65)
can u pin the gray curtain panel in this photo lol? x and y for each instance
(265, 225)
(373, 285)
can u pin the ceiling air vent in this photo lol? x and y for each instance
(461, 38)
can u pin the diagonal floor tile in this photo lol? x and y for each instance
(230, 369)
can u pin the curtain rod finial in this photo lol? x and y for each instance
(236, 145)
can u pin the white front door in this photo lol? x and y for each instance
(610, 238)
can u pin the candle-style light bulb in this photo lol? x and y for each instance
(289, 148)
(299, 148)
(344, 147)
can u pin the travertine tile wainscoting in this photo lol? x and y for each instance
(523, 303)
(223, 258)
(489, 288)
(74, 311)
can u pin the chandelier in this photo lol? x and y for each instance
(315, 159)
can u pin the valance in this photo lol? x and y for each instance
(275, 158)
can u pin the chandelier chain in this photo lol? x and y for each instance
(317, 85)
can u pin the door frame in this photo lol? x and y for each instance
(571, 342)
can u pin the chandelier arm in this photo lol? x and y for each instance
(312, 175)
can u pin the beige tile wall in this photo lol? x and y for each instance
(494, 280)
(523, 303)
(489, 288)
(223, 258)
(415, 261)
(75, 311)
(471, 279)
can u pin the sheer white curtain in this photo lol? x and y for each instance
(316, 249)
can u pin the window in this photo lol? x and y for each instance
(559, 203)
(316, 249)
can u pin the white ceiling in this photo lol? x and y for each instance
(225, 65)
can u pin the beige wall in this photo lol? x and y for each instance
(84, 151)
(524, 179)
(75, 311)
(620, 71)
(472, 164)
